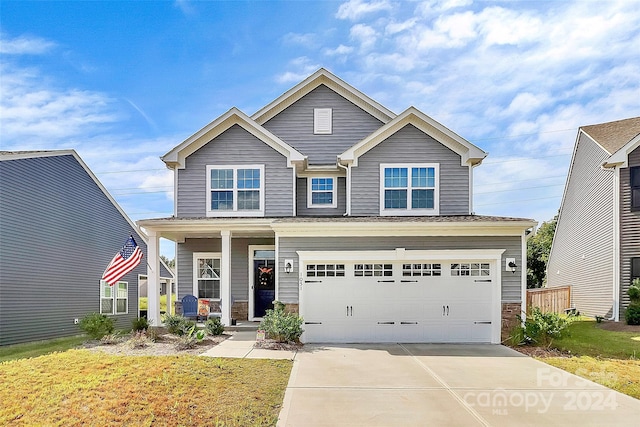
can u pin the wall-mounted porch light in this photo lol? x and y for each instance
(288, 266)
(511, 265)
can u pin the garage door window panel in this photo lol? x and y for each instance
(325, 270)
(373, 270)
(470, 269)
(409, 270)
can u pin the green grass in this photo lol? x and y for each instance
(39, 348)
(606, 357)
(79, 387)
(585, 338)
(144, 303)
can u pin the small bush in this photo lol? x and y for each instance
(110, 339)
(153, 333)
(214, 326)
(177, 325)
(634, 291)
(632, 315)
(540, 328)
(139, 339)
(97, 325)
(140, 324)
(280, 325)
(190, 338)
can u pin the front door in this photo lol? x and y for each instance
(264, 284)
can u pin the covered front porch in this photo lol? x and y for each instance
(232, 262)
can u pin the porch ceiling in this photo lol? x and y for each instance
(178, 229)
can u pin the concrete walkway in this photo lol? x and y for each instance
(240, 345)
(442, 385)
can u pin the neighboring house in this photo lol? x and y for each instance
(358, 218)
(59, 229)
(596, 248)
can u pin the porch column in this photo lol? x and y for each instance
(153, 279)
(225, 277)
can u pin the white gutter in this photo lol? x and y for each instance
(348, 185)
(616, 244)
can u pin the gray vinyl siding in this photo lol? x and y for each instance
(341, 195)
(582, 252)
(235, 146)
(58, 233)
(409, 145)
(288, 283)
(239, 263)
(294, 125)
(629, 230)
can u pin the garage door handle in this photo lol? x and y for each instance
(482, 280)
(408, 281)
(313, 323)
(481, 323)
(386, 281)
(386, 323)
(313, 281)
(408, 323)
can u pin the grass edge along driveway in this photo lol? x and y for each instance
(609, 358)
(80, 387)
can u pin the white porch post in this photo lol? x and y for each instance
(153, 279)
(225, 279)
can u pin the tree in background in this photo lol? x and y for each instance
(171, 263)
(538, 248)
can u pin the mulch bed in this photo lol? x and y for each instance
(540, 351)
(274, 345)
(165, 345)
(618, 327)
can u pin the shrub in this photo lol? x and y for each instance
(175, 323)
(139, 339)
(97, 325)
(153, 333)
(140, 324)
(634, 291)
(190, 338)
(632, 315)
(280, 325)
(214, 326)
(540, 328)
(110, 339)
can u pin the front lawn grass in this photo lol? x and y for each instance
(79, 387)
(39, 348)
(606, 357)
(585, 338)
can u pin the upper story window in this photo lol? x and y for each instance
(409, 189)
(635, 188)
(235, 190)
(321, 192)
(322, 121)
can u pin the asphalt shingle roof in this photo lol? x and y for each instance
(612, 136)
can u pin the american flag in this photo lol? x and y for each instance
(123, 262)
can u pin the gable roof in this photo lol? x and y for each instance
(20, 155)
(323, 77)
(469, 153)
(612, 136)
(176, 157)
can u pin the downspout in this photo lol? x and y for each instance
(348, 185)
(615, 313)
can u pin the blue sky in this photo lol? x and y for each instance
(124, 82)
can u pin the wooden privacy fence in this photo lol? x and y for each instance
(555, 300)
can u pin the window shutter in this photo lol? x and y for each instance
(635, 267)
(322, 118)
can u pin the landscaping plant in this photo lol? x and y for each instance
(540, 328)
(97, 325)
(214, 326)
(190, 338)
(280, 325)
(632, 315)
(140, 324)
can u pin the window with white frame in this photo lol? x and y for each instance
(321, 192)
(367, 270)
(422, 270)
(322, 121)
(325, 270)
(470, 269)
(206, 275)
(114, 299)
(409, 189)
(235, 190)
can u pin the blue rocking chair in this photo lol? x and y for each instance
(190, 307)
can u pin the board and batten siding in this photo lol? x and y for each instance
(629, 230)
(239, 263)
(288, 247)
(341, 196)
(235, 146)
(350, 124)
(409, 145)
(582, 251)
(58, 232)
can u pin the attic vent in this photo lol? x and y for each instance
(322, 118)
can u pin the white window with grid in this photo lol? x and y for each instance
(206, 273)
(235, 190)
(409, 189)
(321, 192)
(114, 299)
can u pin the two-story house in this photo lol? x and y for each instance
(358, 218)
(596, 247)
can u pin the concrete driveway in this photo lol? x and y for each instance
(443, 385)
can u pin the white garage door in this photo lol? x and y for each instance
(398, 301)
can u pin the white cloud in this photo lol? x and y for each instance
(25, 45)
(338, 51)
(300, 69)
(356, 9)
(185, 6)
(306, 39)
(363, 34)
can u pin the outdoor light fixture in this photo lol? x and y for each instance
(288, 265)
(512, 266)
